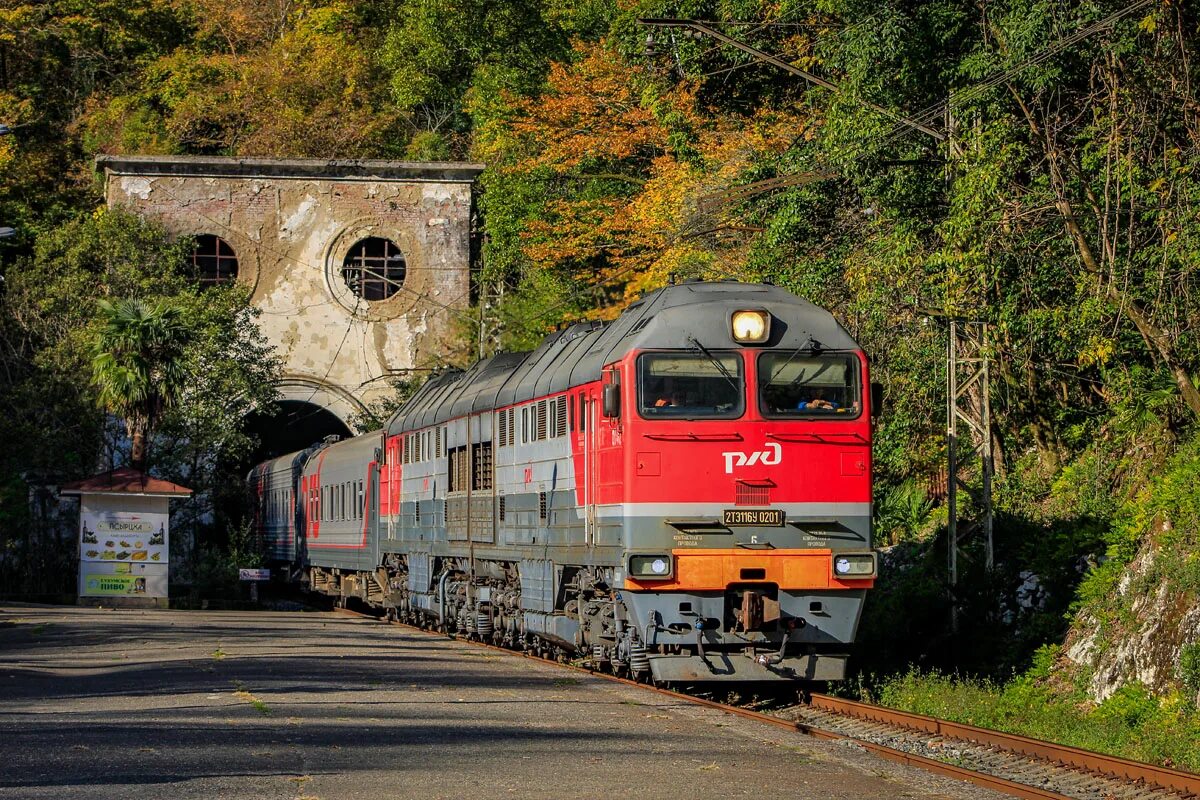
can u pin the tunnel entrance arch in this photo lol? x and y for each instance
(307, 413)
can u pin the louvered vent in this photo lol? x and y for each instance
(560, 417)
(752, 495)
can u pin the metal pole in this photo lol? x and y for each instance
(985, 450)
(952, 470)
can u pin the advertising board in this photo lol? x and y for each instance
(123, 536)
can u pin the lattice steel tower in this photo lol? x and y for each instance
(968, 444)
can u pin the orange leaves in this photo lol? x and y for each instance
(591, 112)
(621, 164)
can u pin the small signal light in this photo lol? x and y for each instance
(750, 327)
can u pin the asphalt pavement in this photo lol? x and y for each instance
(97, 703)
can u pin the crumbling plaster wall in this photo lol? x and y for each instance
(291, 235)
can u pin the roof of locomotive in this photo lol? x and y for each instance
(285, 462)
(670, 318)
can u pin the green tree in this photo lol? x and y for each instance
(138, 366)
(53, 420)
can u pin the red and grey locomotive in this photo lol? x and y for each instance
(682, 494)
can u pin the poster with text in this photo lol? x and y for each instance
(118, 536)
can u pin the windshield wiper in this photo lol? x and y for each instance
(813, 347)
(716, 363)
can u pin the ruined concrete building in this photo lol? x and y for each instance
(361, 268)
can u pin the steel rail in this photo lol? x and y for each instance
(993, 782)
(1075, 757)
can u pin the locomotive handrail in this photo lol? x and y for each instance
(699, 524)
(816, 437)
(694, 437)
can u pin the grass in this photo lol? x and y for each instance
(242, 693)
(1132, 723)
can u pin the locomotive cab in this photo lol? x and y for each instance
(746, 503)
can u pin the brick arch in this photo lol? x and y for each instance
(334, 399)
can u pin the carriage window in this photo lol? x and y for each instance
(689, 385)
(802, 384)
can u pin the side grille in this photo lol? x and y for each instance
(745, 495)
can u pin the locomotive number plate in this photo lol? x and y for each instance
(772, 517)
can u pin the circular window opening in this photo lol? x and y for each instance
(213, 260)
(374, 268)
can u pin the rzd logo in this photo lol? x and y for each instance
(769, 456)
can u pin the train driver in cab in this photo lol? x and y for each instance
(817, 401)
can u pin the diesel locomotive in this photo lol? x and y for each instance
(682, 494)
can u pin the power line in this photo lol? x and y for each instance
(419, 296)
(711, 32)
(935, 110)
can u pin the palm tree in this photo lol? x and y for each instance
(138, 365)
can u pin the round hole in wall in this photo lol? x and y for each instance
(374, 268)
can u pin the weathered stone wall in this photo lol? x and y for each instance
(291, 224)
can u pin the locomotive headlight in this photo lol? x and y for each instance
(854, 565)
(650, 566)
(750, 327)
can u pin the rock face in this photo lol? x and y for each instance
(1143, 639)
(292, 230)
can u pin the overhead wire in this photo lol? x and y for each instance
(924, 116)
(288, 258)
(934, 110)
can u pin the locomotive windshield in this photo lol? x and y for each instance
(690, 385)
(809, 385)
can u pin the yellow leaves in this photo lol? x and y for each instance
(1148, 23)
(241, 25)
(16, 21)
(1097, 351)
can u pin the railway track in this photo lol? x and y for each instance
(1007, 763)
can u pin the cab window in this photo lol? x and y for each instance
(809, 385)
(690, 386)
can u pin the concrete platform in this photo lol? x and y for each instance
(172, 704)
